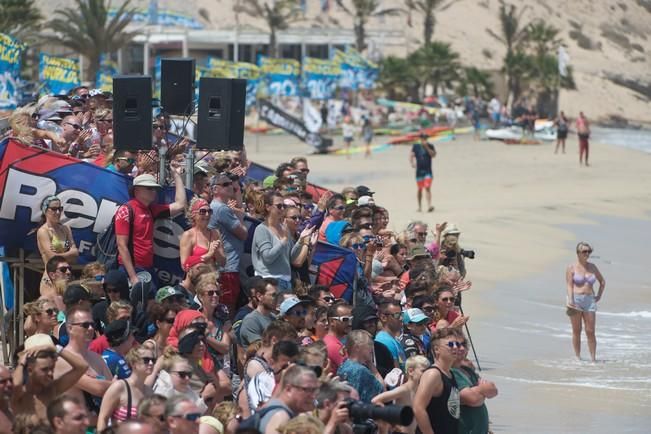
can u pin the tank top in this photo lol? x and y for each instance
(444, 410)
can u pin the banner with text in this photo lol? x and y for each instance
(90, 195)
(10, 53)
(278, 117)
(356, 71)
(107, 69)
(280, 75)
(320, 77)
(58, 74)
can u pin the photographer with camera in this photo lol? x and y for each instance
(451, 254)
(331, 406)
(359, 370)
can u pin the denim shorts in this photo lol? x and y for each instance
(585, 302)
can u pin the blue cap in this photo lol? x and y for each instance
(289, 303)
(414, 316)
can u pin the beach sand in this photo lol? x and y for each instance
(523, 209)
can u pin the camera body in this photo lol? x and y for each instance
(470, 254)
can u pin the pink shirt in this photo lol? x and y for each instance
(336, 351)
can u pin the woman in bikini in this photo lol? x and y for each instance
(581, 300)
(199, 241)
(54, 239)
(120, 402)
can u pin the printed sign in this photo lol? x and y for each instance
(276, 116)
(281, 75)
(320, 77)
(10, 52)
(58, 74)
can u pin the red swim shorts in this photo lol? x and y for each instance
(424, 181)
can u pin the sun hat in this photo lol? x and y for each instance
(289, 303)
(166, 292)
(39, 340)
(417, 252)
(365, 201)
(145, 180)
(450, 229)
(414, 316)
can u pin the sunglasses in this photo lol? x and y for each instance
(4, 381)
(52, 311)
(128, 160)
(300, 313)
(105, 120)
(99, 278)
(366, 226)
(148, 360)
(75, 126)
(205, 211)
(307, 206)
(453, 344)
(56, 208)
(358, 246)
(280, 205)
(305, 170)
(339, 208)
(427, 309)
(191, 417)
(448, 299)
(585, 251)
(112, 289)
(168, 320)
(421, 234)
(212, 293)
(226, 184)
(64, 269)
(329, 299)
(183, 374)
(85, 325)
(342, 318)
(294, 217)
(395, 315)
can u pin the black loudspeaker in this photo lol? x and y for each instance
(177, 86)
(132, 113)
(221, 114)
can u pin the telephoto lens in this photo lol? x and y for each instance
(393, 414)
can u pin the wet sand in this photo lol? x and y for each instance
(523, 209)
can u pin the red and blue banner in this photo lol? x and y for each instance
(90, 195)
(336, 268)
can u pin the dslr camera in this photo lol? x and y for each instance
(363, 414)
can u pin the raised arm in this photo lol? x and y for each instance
(70, 378)
(180, 198)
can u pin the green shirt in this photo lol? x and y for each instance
(474, 420)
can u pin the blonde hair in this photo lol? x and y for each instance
(114, 307)
(170, 360)
(89, 270)
(416, 362)
(302, 424)
(36, 307)
(21, 125)
(316, 350)
(350, 238)
(206, 280)
(225, 411)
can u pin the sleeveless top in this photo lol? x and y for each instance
(58, 245)
(444, 410)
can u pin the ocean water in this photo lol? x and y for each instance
(525, 346)
(635, 139)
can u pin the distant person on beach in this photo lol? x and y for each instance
(421, 160)
(583, 130)
(367, 135)
(562, 126)
(581, 300)
(348, 131)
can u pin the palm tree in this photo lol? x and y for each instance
(362, 11)
(278, 16)
(19, 18)
(89, 29)
(398, 78)
(513, 35)
(542, 38)
(426, 8)
(478, 81)
(437, 64)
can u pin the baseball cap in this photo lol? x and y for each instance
(289, 303)
(118, 280)
(365, 201)
(145, 180)
(418, 252)
(414, 316)
(118, 331)
(74, 294)
(199, 169)
(363, 190)
(268, 182)
(166, 292)
(361, 314)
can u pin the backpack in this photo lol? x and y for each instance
(253, 422)
(106, 246)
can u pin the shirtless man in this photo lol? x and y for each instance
(34, 383)
(92, 386)
(6, 415)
